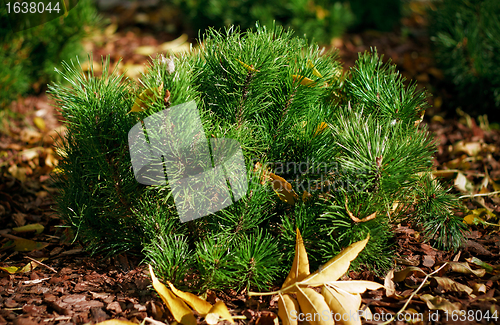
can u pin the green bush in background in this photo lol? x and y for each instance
(320, 20)
(466, 37)
(381, 15)
(28, 57)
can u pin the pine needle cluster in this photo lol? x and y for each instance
(348, 149)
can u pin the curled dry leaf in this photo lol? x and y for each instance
(439, 303)
(463, 184)
(479, 288)
(450, 285)
(403, 274)
(390, 287)
(337, 266)
(177, 307)
(287, 308)
(470, 148)
(314, 307)
(464, 268)
(283, 189)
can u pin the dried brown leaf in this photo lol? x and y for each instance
(439, 303)
(448, 284)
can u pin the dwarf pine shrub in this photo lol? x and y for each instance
(338, 156)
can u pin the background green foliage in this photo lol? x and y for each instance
(28, 57)
(371, 156)
(466, 36)
(321, 20)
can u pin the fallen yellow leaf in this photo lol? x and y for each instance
(343, 304)
(145, 98)
(177, 307)
(315, 71)
(248, 67)
(288, 309)
(320, 128)
(337, 266)
(27, 245)
(32, 227)
(39, 123)
(219, 310)
(283, 189)
(358, 286)
(198, 304)
(19, 269)
(304, 81)
(300, 265)
(313, 305)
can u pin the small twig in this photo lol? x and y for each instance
(29, 282)
(356, 219)
(250, 293)
(42, 264)
(479, 194)
(413, 294)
